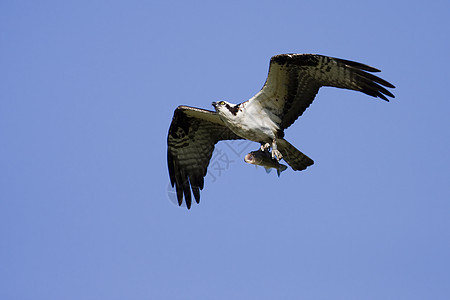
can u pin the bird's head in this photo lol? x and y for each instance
(226, 109)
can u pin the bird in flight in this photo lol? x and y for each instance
(291, 86)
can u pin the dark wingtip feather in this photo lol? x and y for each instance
(381, 92)
(196, 192)
(380, 95)
(179, 195)
(388, 84)
(187, 194)
(358, 65)
(171, 168)
(372, 85)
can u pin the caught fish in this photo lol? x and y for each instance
(264, 159)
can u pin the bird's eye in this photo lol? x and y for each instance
(222, 102)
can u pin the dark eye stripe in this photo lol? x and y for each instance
(233, 109)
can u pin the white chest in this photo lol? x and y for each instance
(255, 125)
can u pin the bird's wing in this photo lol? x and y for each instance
(190, 144)
(294, 80)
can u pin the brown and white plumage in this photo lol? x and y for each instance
(294, 80)
(291, 86)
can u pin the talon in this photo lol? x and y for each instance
(276, 154)
(265, 147)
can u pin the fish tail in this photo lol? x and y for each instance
(280, 169)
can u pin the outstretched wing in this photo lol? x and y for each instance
(294, 80)
(190, 144)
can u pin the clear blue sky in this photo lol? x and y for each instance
(87, 93)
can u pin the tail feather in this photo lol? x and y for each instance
(294, 157)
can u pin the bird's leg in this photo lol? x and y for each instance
(265, 147)
(275, 153)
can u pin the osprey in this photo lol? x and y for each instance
(291, 86)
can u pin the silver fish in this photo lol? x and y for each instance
(264, 159)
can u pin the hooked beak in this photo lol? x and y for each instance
(214, 104)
